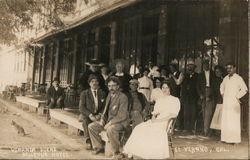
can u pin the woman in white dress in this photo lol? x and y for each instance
(156, 92)
(149, 140)
(145, 84)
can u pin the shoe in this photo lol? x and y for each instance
(98, 150)
(89, 147)
(118, 156)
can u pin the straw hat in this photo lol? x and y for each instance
(94, 62)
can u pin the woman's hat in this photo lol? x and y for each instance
(94, 62)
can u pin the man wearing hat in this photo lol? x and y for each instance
(91, 105)
(206, 91)
(55, 95)
(189, 97)
(94, 65)
(138, 104)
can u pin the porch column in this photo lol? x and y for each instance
(43, 69)
(226, 34)
(97, 35)
(73, 78)
(113, 42)
(34, 68)
(57, 45)
(162, 36)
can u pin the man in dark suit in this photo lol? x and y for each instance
(189, 97)
(55, 95)
(206, 91)
(115, 118)
(94, 66)
(91, 105)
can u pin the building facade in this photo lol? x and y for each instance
(158, 31)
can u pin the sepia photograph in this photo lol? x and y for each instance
(124, 79)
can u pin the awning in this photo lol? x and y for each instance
(91, 16)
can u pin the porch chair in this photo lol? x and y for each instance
(170, 132)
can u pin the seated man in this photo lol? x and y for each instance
(55, 95)
(91, 105)
(138, 104)
(114, 119)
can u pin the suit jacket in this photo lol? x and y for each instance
(188, 87)
(175, 88)
(87, 103)
(52, 93)
(116, 109)
(201, 83)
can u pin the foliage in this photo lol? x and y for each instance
(18, 15)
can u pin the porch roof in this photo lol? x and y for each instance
(83, 19)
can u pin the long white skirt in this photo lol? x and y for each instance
(216, 121)
(149, 141)
(230, 121)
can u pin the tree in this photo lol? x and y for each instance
(18, 15)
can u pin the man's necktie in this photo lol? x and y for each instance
(95, 94)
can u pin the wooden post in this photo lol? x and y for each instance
(74, 66)
(225, 31)
(57, 45)
(97, 36)
(43, 65)
(113, 41)
(162, 36)
(34, 68)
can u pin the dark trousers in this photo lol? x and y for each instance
(56, 103)
(208, 106)
(189, 108)
(180, 117)
(112, 132)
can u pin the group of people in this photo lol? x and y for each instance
(146, 98)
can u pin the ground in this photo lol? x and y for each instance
(40, 143)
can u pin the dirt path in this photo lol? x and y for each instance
(45, 142)
(37, 144)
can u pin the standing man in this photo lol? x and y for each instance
(114, 119)
(206, 91)
(55, 95)
(91, 105)
(232, 89)
(123, 77)
(94, 66)
(189, 97)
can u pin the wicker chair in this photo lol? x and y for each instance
(170, 132)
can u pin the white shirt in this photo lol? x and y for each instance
(207, 74)
(119, 74)
(95, 97)
(233, 87)
(133, 70)
(105, 77)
